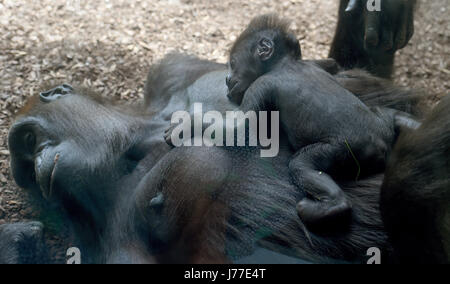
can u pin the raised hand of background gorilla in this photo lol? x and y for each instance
(378, 30)
(389, 29)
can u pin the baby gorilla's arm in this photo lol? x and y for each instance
(326, 200)
(259, 96)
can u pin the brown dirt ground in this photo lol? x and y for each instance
(109, 45)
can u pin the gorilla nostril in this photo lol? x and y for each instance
(56, 93)
(67, 87)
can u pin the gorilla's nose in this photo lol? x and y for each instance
(228, 80)
(56, 93)
(25, 139)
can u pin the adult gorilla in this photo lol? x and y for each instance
(134, 199)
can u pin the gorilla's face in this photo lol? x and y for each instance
(244, 69)
(63, 144)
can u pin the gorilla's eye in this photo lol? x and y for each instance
(30, 142)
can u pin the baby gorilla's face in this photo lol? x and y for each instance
(244, 69)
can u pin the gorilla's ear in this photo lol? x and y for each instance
(265, 49)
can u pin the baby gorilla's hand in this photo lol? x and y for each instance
(168, 133)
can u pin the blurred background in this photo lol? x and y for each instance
(108, 45)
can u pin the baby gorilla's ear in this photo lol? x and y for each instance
(265, 49)
(293, 45)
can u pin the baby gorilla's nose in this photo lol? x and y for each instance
(228, 80)
(231, 82)
(56, 93)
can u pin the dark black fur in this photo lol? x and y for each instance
(133, 199)
(219, 204)
(415, 197)
(332, 131)
(22, 243)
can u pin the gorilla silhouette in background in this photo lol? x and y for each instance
(133, 199)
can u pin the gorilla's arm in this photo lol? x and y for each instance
(369, 39)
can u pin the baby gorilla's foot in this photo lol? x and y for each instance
(319, 213)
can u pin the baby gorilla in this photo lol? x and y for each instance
(333, 133)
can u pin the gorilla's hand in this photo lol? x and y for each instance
(185, 135)
(168, 134)
(388, 29)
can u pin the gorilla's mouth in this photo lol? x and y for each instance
(45, 173)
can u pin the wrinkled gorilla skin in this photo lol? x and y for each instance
(22, 243)
(132, 199)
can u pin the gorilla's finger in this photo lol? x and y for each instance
(400, 37)
(352, 5)
(410, 25)
(371, 37)
(406, 23)
(387, 39)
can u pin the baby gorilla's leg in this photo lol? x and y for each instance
(325, 200)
